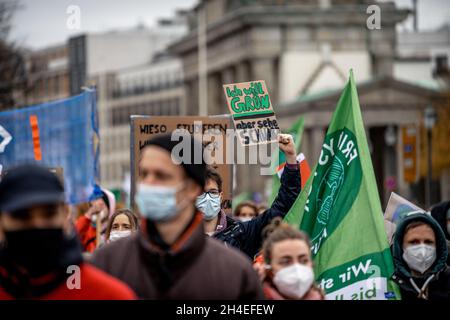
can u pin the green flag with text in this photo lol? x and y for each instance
(340, 210)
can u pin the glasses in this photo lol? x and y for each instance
(213, 193)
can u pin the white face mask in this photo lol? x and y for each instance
(244, 219)
(116, 235)
(294, 281)
(209, 206)
(420, 257)
(158, 203)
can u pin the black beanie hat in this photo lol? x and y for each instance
(195, 167)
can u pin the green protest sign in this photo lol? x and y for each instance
(252, 112)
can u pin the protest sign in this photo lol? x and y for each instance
(399, 207)
(58, 134)
(340, 209)
(143, 128)
(252, 112)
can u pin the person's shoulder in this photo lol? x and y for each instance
(106, 286)
(226, 254)
(115, 248)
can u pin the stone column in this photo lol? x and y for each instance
(242, 73)
(317, 134)
(227, 76)
(263, 69)
(445, 185)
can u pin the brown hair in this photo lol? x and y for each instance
(131, 216)
(415, 224)
(278, 231)
(212, 174)
(237, 210)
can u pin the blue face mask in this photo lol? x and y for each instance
(157, 203)
(208, 205)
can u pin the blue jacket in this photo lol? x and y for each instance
(247, 236)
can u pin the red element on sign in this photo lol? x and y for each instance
(36, 139)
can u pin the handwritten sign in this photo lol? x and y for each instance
(252, 112)
(143, 128)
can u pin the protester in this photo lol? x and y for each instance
(246, 236)
(121, 225)
(102, 204)
(420, 254)
(441, 213)
(245, 211)
(289, 267)
(170, 257)
(41, 251)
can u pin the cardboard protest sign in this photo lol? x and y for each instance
(143, 128)
(399, 207)
(252, 112)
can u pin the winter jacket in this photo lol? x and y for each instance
(87, 233)
(435, 282)
(194, 267)
(441, 213)
(247, 236)
(94, 284)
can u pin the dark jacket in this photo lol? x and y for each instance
(247, 236)
(195, 267)
(440, 213)
(438, 274)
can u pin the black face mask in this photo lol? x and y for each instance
(37, 251)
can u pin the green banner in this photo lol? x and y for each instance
(340, 209)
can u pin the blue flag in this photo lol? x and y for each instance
(62, 135)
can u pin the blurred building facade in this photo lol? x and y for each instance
(300, 48)
(47, 76)
(303, 49)
(152, 89)
(133, 75)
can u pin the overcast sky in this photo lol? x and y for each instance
(40, 23)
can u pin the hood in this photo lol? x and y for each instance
(401, 267)
(102, 193)
(111, 200)
(440, 213)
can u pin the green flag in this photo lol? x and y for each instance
(296, 131)
(340, 210)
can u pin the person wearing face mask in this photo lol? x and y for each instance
(288, 267)
(40, 244)
(121, 225)
(245, 211)
(420, 254)
(170, 257)
(246, 236)
(441, 213)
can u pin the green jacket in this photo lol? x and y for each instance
(437, 276)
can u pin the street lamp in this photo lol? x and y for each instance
(429, 122)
